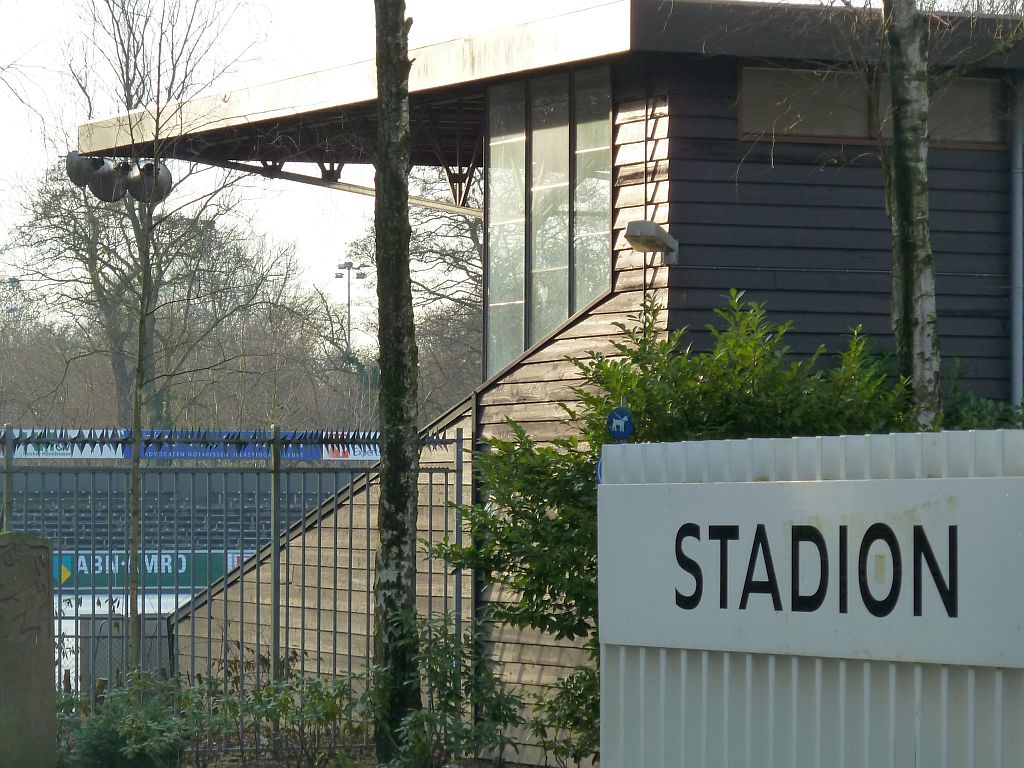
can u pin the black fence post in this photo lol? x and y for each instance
(275, 554)
(6, 512)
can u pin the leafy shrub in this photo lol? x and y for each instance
(155, 724)
(137, 726)
(305, 721)
(747, 385)
(467, 712)
(962, 409)
(537, 533)
(69, 719)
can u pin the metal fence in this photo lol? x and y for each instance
(247, 570)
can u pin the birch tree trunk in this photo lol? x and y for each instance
(394, 598)
(914, 318)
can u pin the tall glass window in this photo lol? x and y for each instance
(592, 195)
(506, 225)
(549, 206)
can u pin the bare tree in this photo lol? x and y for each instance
(445, 249)
(923, 47)
(905, 165)
(148, 55)
(289, 364)
(446, 265)
(450, 340)
(204, 271)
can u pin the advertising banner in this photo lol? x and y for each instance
(181, 570)
(194, 445)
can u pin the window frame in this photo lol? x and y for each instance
(874, 134)
(490, 372)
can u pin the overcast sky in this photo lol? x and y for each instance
(285, 38)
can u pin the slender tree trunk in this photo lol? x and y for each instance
(124, 377)
(143, 356)
(914, 316)
(394, 643)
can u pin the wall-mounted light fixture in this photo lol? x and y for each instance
(648, 237)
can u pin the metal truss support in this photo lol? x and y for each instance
(460, 174)
(276, 171)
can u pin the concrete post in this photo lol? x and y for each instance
(28, 699)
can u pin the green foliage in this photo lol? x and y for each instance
(304, 721)
(466, 711)
(547, 550)
(962, 409)
(537, 533)
(137, 726)
(567, 728)
(153, 724)
(69, 721)
(747, 385)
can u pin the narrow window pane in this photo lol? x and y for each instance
(549, 205)
(592, 195)
(970, 110)
(804, 102)
(506, 225)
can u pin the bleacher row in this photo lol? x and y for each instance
(181, 509)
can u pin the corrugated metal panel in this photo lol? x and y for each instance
(672, 707)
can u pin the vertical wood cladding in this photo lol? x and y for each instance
(802, 228)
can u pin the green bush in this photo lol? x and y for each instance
(466, 713)
(962, 409)
(304, 723)
(747, 385)
(137, 726)
(537, 532)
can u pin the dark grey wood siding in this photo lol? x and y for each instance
(802, 228)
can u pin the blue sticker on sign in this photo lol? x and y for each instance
(620, 423)
(598, 472)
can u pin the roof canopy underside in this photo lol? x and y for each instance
(446, 131)
(329, 117)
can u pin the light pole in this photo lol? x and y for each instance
(348, 266)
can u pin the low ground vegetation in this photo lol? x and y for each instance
(299, 723)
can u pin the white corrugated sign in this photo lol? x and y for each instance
(813, 602)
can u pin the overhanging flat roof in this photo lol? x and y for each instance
(303, 117)
(329, 116)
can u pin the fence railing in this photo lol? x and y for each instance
(256, 554)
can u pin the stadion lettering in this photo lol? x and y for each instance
(925, 570)
(834, 571)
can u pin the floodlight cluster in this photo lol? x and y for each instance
(148, 181)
